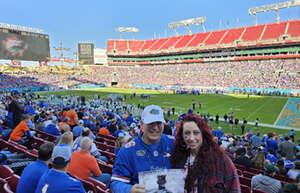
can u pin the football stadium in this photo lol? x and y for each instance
(210, 111)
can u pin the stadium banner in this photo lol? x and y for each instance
(86, 53)
(19, 45)
(100, 56)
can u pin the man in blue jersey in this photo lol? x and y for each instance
(149, 151)
(33, 172)
(56, 179)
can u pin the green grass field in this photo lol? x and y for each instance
(266, 108)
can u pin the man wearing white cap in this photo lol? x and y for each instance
(149, 151)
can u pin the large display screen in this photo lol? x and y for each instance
(19, 45)
(86, 53)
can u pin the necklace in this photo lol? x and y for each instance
(155, 154)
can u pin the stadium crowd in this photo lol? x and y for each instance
(23, 117)
(279, 74)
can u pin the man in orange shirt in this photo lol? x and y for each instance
(83, 165)
(72, 116)
(22, 128)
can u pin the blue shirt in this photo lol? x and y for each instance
(136, 156)
(55, 181)
(31, 176)
(52, 129)
(77, 130)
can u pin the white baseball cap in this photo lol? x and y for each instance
(153, 113)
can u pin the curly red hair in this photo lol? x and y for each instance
(205, 161)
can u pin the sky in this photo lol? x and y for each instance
(95, 21)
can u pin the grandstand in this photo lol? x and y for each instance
(266, 41)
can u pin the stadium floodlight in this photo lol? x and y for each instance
(187, 22)
(127, 29)
(273, 7)
(20, 28)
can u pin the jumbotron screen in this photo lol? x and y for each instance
(19, 45)
(86, 53)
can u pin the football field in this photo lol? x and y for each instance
(266, 108)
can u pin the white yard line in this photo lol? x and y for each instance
(254, 112)
(281, 112)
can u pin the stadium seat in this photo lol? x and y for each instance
(258, 191)
(5, 172)
(88, 186)
(2, 182)
(248, 174)
(245, 181)
(97, 183)
(245, 189)
(240, 167)
(255, 171)
(104, 167)
(13, 182)
(7, 188)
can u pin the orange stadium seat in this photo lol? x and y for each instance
(200, 37)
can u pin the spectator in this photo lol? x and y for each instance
(265, 182)
(33, 172)
(259, 160)
(56, 179)
(207, 165)
(15, 109)
(83, 165)
(22, 128)
(289, 148)
(293, 173)
(86, 132)
(150, 148)
(293, 187)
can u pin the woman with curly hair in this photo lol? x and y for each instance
(207, 167)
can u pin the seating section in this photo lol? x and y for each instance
(135, 45)
(232, 35)
(158, 44)
(121, 45)
(171, 41)
(184, 41)
(253, 33)
(274, 31)
(198, 39)
(215, 37)
(294, 28)
(110, 45)
(148, 44)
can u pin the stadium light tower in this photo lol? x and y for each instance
(272, 7)
(61, 49)
(187, 22)
(127, 29)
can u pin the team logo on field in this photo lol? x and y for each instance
(140, 153)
